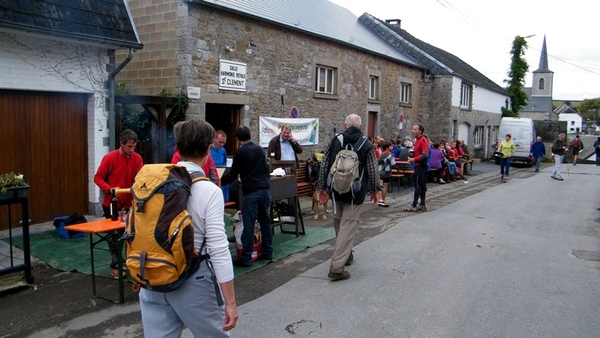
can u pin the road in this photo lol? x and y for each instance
(504, 260)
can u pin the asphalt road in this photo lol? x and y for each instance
(61, 304)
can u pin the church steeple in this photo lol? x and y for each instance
(543, 77)
(543, 58)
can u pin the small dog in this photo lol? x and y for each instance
(315, 205)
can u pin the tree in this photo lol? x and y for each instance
(589, 109)
(516, 81)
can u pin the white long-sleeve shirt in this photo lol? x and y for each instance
(206, 207)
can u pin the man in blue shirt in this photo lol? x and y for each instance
(284, 146)
(538, 150)
(219, 156)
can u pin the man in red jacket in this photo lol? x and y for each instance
(419, 160)
(117, 170)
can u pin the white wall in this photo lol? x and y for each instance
(574, 122)
(36, 64)
(483, 99)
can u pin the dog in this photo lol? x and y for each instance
(315, 205)
(313, 178)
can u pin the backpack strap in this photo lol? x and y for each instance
(198, 176)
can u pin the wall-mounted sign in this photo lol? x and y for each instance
(193, 92)
(294, 112)
(232, 75)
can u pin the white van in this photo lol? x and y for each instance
(523, 135)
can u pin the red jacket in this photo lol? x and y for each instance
(209, 168)
(117, 171)
(421, 147)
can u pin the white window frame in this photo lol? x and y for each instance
(466, 95)
(405, 93)
(325, 80)
(478, 137)
(373, 87)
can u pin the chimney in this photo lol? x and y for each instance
(394, 22)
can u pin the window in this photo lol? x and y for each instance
(374, 87)
(325, 80)
(478, 137)
(541, 84)
(465, 96)
(405, 92)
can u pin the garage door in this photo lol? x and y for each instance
(44, 136)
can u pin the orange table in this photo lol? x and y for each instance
(103, 229)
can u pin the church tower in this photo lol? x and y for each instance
(542, 77)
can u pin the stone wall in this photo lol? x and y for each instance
(184, 43)
(281, 66)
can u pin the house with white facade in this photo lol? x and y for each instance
(58, 66)
(572, 117)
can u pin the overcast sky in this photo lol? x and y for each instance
(481, 34)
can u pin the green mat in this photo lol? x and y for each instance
(74, 254)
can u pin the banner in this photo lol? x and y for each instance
(305, 131)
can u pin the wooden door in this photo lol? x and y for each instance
(44, 137)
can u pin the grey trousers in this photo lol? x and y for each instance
(345, 221)
(194, 305)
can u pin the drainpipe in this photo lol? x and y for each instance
(111, 94)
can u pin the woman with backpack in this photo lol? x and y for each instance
(576, 146)
(197, 303)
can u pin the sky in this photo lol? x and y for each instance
(481, 33)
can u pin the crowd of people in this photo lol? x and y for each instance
(446, 162)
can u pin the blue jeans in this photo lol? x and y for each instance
(504, 166)
(537, 161)
(255, 207)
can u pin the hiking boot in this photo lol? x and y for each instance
(114, 273)
(339, 276)
(350, 259)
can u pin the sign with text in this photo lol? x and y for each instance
(232, 75)
(305, 131)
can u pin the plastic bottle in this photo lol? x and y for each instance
(114, 213)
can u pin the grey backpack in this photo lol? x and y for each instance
(344, 174)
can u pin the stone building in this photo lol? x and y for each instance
(462, 103)
(312, 55)
(287, 49)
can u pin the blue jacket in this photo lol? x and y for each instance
(538, 149)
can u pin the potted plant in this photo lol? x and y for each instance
(12, 186)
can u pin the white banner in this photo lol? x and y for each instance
(305, 131)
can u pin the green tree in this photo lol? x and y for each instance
(516, 80)
(589, 109)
